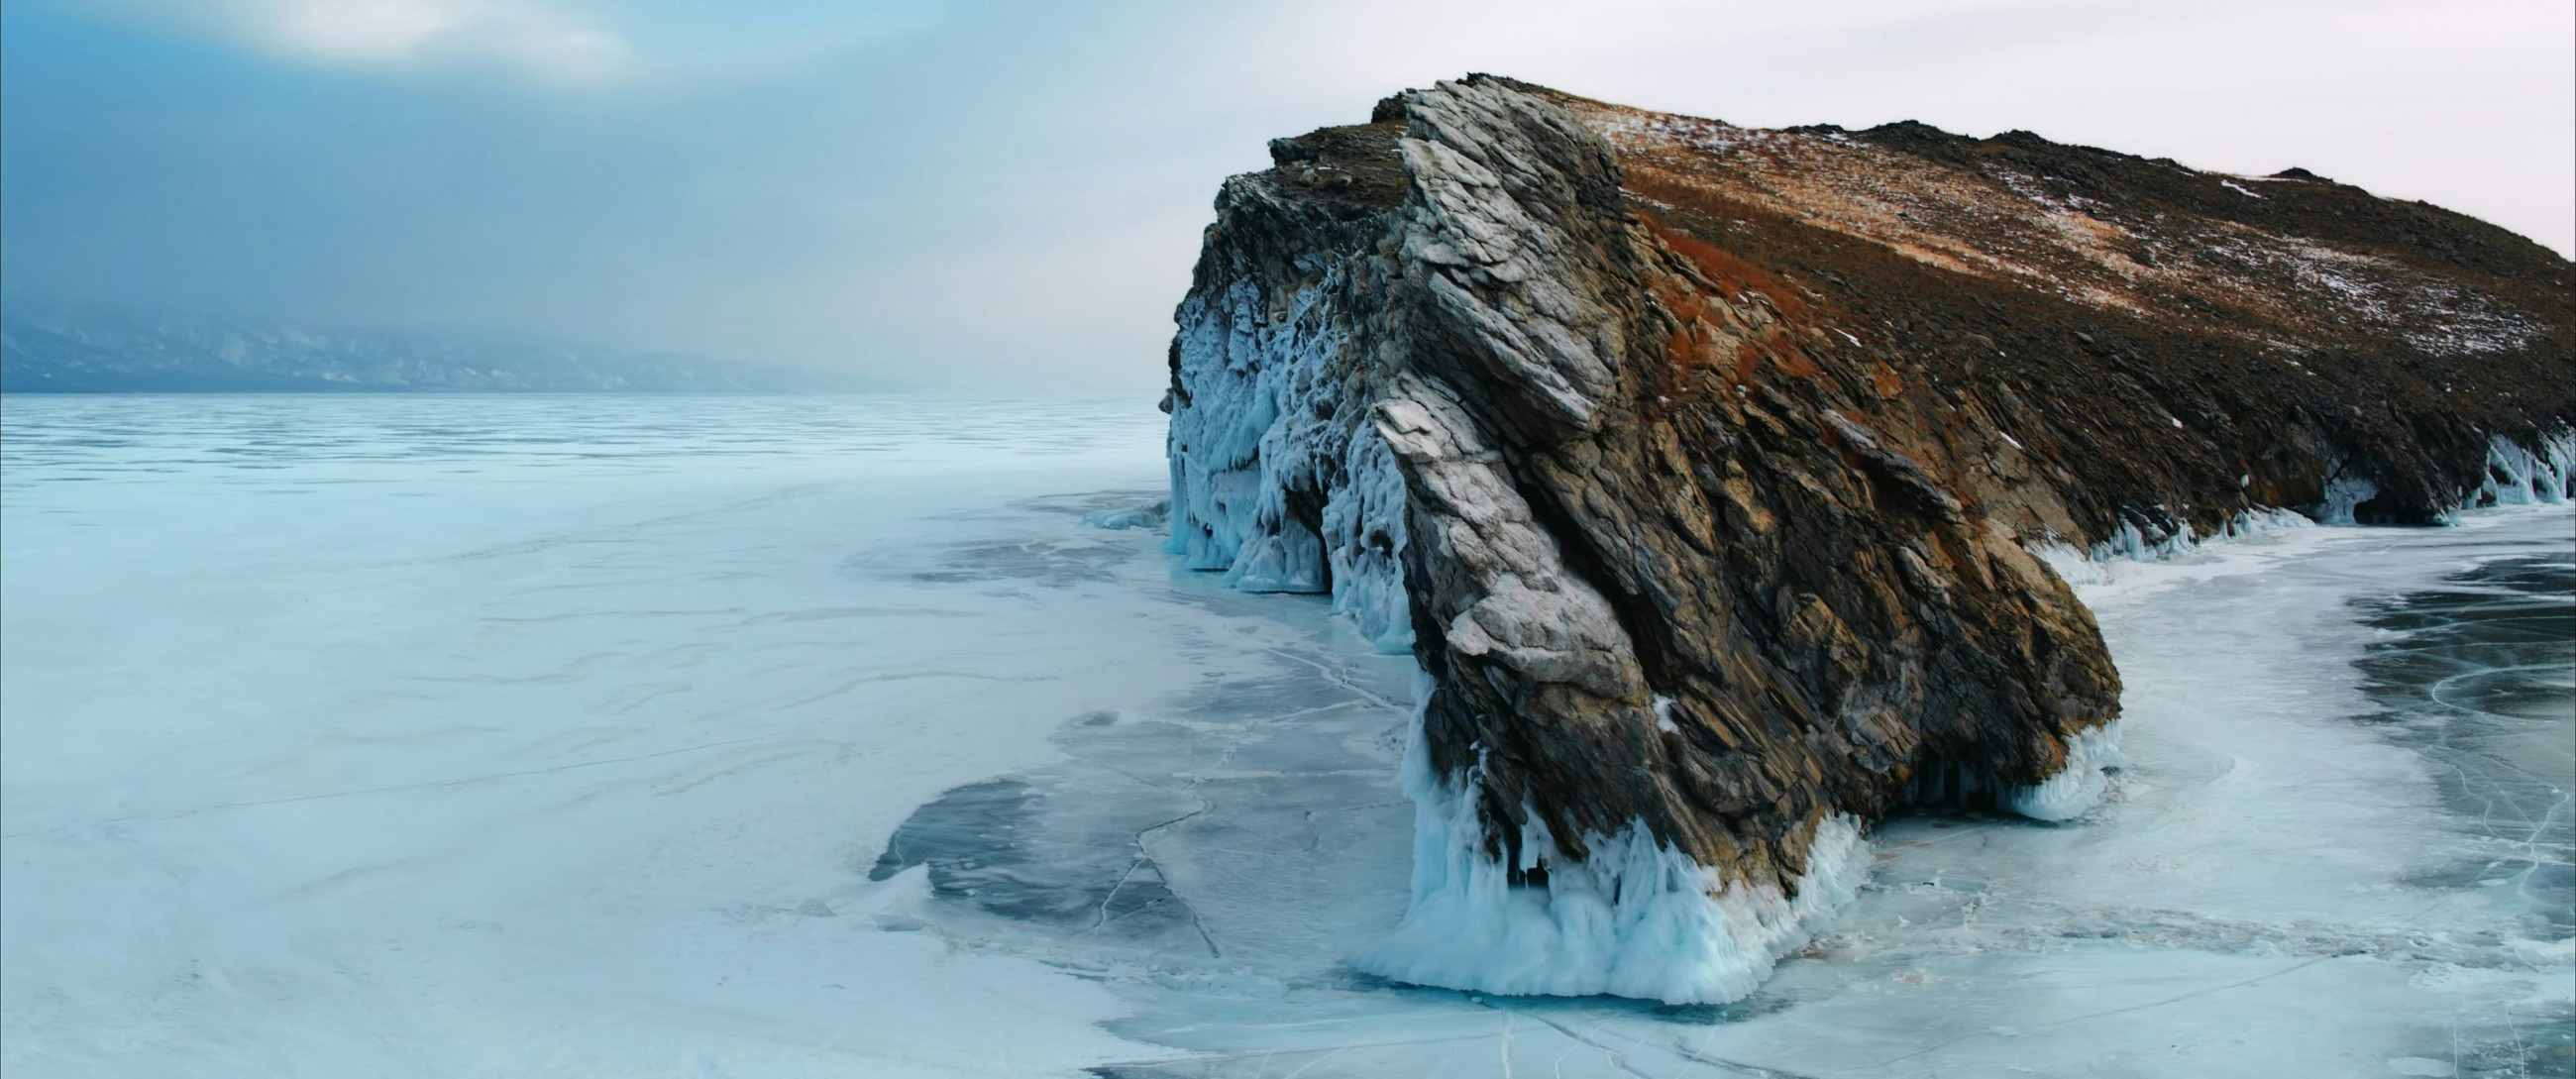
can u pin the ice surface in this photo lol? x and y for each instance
(541, 736)
(748, 738)
(2093, 754)
(2475, 674)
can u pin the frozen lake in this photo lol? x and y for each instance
(439, 736)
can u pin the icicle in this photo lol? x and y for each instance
(2521, 477)
(1278, 477)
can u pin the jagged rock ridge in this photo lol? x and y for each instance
(1701, 467)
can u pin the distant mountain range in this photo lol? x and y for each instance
(45, 351)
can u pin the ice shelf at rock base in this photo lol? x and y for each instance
(2091, 755)
(2515, 476)
(2131, 542)
(1263, 435)
(1635, 919)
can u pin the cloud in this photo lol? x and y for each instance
(532, 38)
(1011, 192)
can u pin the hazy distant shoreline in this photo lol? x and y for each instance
(443, 391)
(110, 353)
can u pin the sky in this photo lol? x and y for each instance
(1009, 196)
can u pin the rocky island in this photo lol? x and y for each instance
(1723, 480)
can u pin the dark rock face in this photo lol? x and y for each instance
(1700, 462)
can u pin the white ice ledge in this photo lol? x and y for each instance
(2090, 756)
(1636, 919)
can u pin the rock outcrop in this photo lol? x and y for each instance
(1702, 469)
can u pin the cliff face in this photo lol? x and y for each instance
(1702, 467)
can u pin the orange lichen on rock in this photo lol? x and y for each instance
(1883, 379)
(1730, 272)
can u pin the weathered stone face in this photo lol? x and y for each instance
(1717, 545)
(1819, 616)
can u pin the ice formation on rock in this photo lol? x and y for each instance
(1635, 919)
(1278, 479)
(2090, 757)
(2521, 477)
(2343, 496)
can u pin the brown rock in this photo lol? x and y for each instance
(1757, 424)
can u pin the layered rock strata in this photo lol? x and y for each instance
(1702, 467)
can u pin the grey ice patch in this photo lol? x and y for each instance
(2473, 674)
(1153, 515)
(1227, 824)
(2518, 1040)
(1092, 503)
(1055, 562)
(999, 848)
